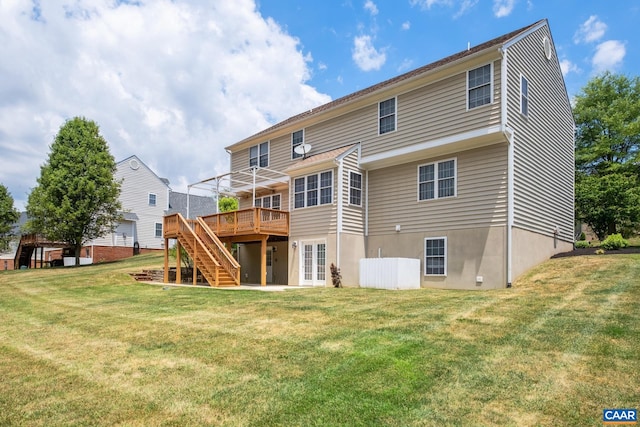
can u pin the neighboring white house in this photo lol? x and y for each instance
(145, 199)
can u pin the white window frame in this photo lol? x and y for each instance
(258, 158)
(469, 89)
(436, 179)
(295, 155)
(156, 229)
(524, 96)
(394, 114)
(318, 189)
(444, 256)
(259, 202)
(352, 188)
(155, 199)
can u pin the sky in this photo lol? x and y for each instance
(176, 81)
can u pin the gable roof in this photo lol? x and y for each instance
(165, 181)
(198, 205)
(320, 159)
(494, 43)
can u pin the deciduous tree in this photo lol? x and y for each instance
(607, 116)
(76, 199)
(8, 217)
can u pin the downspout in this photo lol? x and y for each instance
(510, 134)
(340, 201)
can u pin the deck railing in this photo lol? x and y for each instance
(249, 221)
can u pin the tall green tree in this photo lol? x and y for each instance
(607, 116)
(8, 217)
(76, 199)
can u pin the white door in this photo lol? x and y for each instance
(269, 265)
(313, 263)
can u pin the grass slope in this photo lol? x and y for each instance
(89, 346)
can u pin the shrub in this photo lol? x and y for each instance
(583, 236)
(581, 244)
(599, 252)
(336, 277)
(614, 241)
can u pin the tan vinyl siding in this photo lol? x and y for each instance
(314, 220)
(434, 111)
(352, 215)
(481, 195)
(544, 141)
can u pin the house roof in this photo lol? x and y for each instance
(319, 159)
(494, 43)
(198, 205)
(165, 181)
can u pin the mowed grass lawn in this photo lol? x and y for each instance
(89, 346)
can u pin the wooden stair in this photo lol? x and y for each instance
(209, 255)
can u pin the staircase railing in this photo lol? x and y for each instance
(219, 251)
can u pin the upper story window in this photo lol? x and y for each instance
(259, 155)
(524, 96)
(152, 199)
(387, 116)
(297, 138)
(270, 202)
(313, 190)
(479, 86)
(437, 180)
(355, 188)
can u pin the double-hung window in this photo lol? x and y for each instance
(259, 155)
(524, 96)
(313, 190)
(158, 229)
(435, 256)
(152, 199)
(297, 138)
(387, 116)
(479, 86)
(355, 188)
(270, 202)
(437, 180)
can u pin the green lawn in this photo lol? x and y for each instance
(89, 346)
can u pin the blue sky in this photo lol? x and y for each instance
(175, 81)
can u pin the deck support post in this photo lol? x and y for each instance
(178, 262)
(165, 278)
(263, 260)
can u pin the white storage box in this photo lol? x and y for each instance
(390, 273)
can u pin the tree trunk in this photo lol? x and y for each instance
(78, 248)
(611, 229)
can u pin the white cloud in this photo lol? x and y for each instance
(466, 6)
(609, 56)
(371, 7)
(405, 25)
(503, 8)
(405, 65)
(172, 81)
(568, 67)
(365, 55)
(591, 30)
(426, 4)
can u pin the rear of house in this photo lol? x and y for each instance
(465, 164)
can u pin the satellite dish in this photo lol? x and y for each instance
(303, 149)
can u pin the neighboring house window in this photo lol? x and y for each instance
(355, 188)
(435, 256)
(312, 190)
(158, 229)
(387, 116)
(437, 180)
(524, 96)
(297, 138)
(152, 199)
(479, 86)
(259, 155)
(269, 202)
